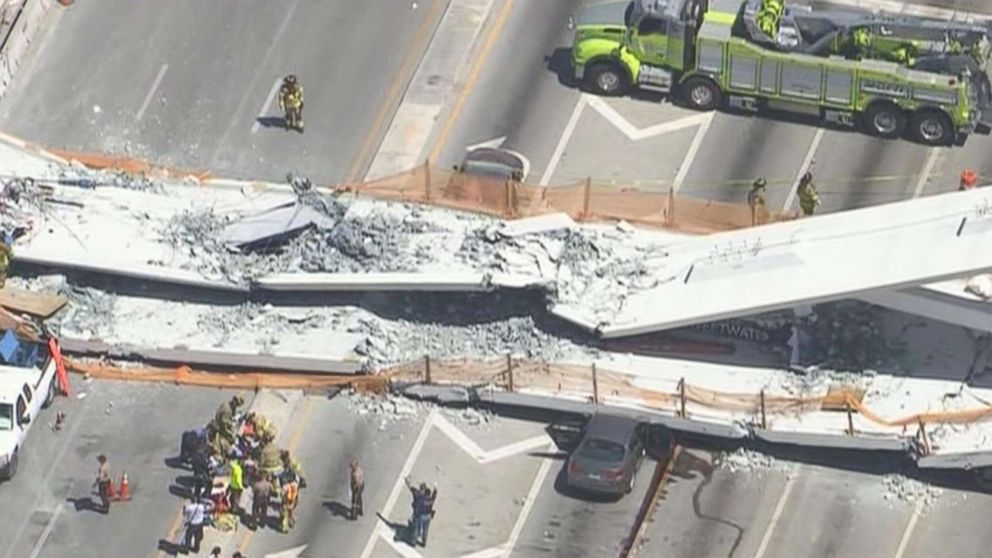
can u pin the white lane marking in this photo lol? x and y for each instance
(807, 162)
(566, 135)
(399, 485)
(535, 487)
(238, 115)
(151, 92)
(779, 507)
(908, 533)
(49, 527)
(927, 169)
(494, 552)
(697, 142)
(265, 107)
(634, 133)
(480, 455)
(47, 481)
(401, 548)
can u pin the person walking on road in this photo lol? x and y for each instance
(808, 198)
(357, 488)
(261, 493)
(202, 479)
(756, 198)
(423, 510)
(103, 483)
(289, 492)
(291, 102)
(194, 518)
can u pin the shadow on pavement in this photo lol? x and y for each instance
(401, 531)
(271, 121)
(338, 509)
(86, 504)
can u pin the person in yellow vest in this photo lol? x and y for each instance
(808, 198)
(236, 486)
(291, 102)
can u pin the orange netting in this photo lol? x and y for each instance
(586, 201)
(102, 161)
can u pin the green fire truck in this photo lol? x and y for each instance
(892, 75)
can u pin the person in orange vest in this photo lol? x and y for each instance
(969, 179)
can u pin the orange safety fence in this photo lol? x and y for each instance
(592, 383)
(187, 376)
(585, 201)
(517, 374)
(132, 165)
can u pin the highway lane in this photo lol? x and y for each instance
(208, 71)
(137, 426)
(538, 113)
(515, 90)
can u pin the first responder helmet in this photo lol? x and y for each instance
(290, 79)
(808, 177)
(760, 183)
(237, 401)
(968, 177)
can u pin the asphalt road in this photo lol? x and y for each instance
(184, 83)
(137, 426)
(525, 94)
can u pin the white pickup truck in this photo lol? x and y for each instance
(24, 391)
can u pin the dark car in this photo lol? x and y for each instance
(495, 162)
(607, 457)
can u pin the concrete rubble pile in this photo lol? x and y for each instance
(911, 491)
(980, 286)
(743, 460)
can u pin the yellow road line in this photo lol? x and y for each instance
(294, 439)
(395, 89)
(473, 76)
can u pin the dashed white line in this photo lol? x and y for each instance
(807, 162)
(697, 142)
(151, 92)
(908, 533)
(566, 135)
(265, 107)
(535, 487)
(779, 508)
(49, 527)
(927, 170)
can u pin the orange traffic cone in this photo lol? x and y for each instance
(124, 493)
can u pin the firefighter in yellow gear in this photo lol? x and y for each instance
(224, 419)
(291, 464)
(756, 199)
(291, 102)
(808, 198)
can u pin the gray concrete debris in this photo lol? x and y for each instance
(371, 243)
(911, 491)
(470, 416)
(386, 409)
(743, 460)
(227, 321)
(89, 314)
(403, 341)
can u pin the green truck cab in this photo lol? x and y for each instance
(889, 74)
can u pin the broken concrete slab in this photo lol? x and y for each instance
(212, 358)
(274, 225)
(396, 281)
(130, 270)
(536, 225)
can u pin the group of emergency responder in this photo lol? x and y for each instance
(235, 452)
(806, 192)
(809, 199)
